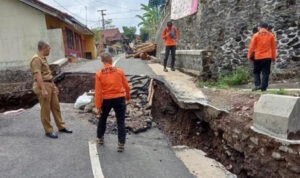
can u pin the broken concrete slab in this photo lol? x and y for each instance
(200, 165)
(278, 116)
(182, 86)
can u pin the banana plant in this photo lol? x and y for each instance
(149, 19)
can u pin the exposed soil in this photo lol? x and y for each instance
(226, 137)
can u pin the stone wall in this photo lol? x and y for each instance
(226, 27)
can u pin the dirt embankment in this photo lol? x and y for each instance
(226, 137)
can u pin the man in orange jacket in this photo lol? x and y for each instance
(111, 91)
(170, 34)
(262, 51)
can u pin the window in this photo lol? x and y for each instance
(77, 42)
(70, 41)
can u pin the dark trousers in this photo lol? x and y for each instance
(173, 52)
(119, 106)
(262, 66)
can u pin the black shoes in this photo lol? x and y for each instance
(52, 135)
(100, 141)
(65, 130)
(121, 147)
(256, 88)
(166, 70)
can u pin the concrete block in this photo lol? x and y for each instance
(189, 59)
(60, 62)
(278, 116)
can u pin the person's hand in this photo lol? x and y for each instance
(99, 111)
(127, 102)
(44, 93)
(56, 90)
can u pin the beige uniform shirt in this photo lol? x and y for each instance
(39, 64)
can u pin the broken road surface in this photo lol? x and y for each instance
(26, 152)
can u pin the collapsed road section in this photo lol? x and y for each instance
(225, 136)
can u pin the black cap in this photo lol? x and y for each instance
(169, 24)
(263, 25)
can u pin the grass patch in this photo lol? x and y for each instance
(281, 91)
(213, 85)
(237, 77)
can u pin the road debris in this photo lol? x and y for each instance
(142, 51)
(14, 112)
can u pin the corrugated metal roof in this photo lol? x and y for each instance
(59, 14)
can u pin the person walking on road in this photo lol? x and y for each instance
(46, 91)
(111, 91)
(170, 34)
(262, 51)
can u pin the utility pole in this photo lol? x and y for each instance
(85, 16)
(103, 21)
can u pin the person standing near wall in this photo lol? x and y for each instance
(170, 34)
(46, 90)
(262, 51)
(111, 91)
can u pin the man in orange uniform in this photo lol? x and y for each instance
(170, 34)
(264, 46)
(111, 91)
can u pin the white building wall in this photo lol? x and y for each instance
(55, 39)
(21, 27)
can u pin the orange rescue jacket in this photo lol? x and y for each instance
(263, 44)
(168, 39)
(110, 82)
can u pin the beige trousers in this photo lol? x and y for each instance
(49, 104)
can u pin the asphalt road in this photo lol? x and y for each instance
(129, 66)
(26, 152)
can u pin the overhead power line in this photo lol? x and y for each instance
(114, 5)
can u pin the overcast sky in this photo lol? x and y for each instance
(122, 12)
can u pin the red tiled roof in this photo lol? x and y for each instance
(110, 35)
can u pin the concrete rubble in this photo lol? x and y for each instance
(138, 114)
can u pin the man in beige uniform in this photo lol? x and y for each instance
(46, 91)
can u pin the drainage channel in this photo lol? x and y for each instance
(222, 136)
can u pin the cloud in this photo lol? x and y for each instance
(122, 12)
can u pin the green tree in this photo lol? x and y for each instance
(149, 19)
(144, 33)
(129, 32)
(96, 32)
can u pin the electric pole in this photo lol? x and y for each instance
(103, 21)
(85, 16)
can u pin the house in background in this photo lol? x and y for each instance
(24, 22)
(110, 37)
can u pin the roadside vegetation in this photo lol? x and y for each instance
(281, 91)
(237, 77)
(149, 20)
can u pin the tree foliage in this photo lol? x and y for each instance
(96, 32)
(129, 32)
(149, 19)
